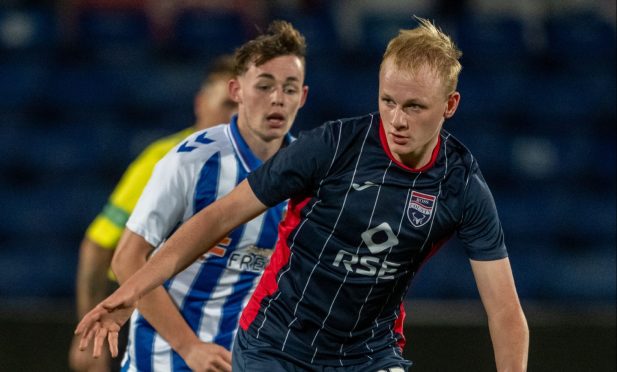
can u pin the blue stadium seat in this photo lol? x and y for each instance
(115, 35)
(559, 100)
(28, 34)
(161, 87)
(65, 149)
(378, 29)
(581, 41)
(584, 275)
(38, 266)
(83, 87)
(495, 94)
(491, 146)
(529, 256)
(56, 206)
(585, 215)
(21, 84)
(528, 213)
(318, 28)
(358, 94)
(492, 43)
(206, 33)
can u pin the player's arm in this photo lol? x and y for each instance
(191, 240)
(160, 311)
(92, 284)
(506, 320)
(91, 287)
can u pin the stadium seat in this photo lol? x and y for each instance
(117, 35)
(29, 34)
(319, 30)
(38, 266)
(492, 43)
(495, 94)
(206, 33)
(161, 87)
(526, 212)
(377, 29)
(83, 87)
(584, 275)
(528, 256)
(580, 41)
(52, 205)
(21, 84)
(559, 100)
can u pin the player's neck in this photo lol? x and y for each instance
(267, 150)
(263, 148)
(420, 158)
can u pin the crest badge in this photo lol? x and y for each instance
(420, 208)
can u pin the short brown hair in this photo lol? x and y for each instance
(426, 45)
(280, 39)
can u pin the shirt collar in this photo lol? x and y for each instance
(248, 159)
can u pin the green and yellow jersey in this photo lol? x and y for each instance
(108, 225)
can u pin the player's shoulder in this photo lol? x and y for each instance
(203, 143)
(164, 144)
(348, 128)
(355, 123)
(156, 150)
(456, 151)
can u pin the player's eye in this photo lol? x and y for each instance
(290, 89)
(387, 101)
(414, 107)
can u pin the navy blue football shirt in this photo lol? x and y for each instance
(359, 225)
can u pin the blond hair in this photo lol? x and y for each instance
(280, 39)
(426, 46)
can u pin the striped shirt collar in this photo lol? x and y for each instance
(247, 158)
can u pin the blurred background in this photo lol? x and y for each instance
(86, 85)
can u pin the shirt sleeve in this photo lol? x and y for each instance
(297, 169)
(480, 230)
(166, 197)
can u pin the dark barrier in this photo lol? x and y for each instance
(579, 341)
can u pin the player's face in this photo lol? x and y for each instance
(269, 96)
(413, 108)
(213, 105)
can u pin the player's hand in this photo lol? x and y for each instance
(104, 322)
(207, 357)
(84, 362)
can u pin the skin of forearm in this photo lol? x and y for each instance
(189, 242)
(92, 284)
(194, 238)
(161, 312)
(510, 336)
(506, 320)
(157, 306)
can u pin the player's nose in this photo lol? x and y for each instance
(277, 96)
(398, 119)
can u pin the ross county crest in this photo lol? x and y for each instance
(420, 208)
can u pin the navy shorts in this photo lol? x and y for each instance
(251, 354)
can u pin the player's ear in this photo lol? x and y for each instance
(305, 90)
(452, 104)
(234, 88)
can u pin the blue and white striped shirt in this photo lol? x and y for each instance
(212, 291)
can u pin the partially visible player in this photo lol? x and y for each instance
(190, 322)
(212, 106)
(371, 198)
